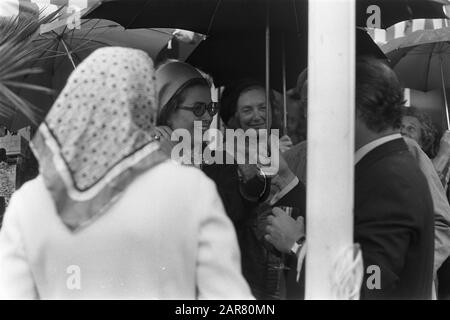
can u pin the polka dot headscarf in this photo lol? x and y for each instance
(98, 130)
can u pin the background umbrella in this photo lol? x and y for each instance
(61, 49)
(422, 62)
(393, 11)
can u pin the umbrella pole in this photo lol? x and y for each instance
(268, 106)
(283, 48)
(445, 96)
(69, 55)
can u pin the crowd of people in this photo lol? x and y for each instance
(112, 216)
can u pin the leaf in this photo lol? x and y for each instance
(22, 85)
(18, 50)
(20, 73)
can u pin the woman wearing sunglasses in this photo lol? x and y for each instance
(184, 99)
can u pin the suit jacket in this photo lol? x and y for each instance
(246, 216)
(440, 203)
(394, 224)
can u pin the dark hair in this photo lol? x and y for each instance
(428, 131)
(379, 95)
(231, 94)
(169, 108)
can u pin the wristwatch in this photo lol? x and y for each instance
(298, 245)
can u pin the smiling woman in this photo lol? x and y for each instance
(418, 126)
(184, 97)
(251, 109)
(243, 105)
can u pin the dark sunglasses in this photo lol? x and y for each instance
(199, 108)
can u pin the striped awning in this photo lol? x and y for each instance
(404, 28)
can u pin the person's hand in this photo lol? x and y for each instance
(275, 165)
(285, 143)
(283, 231)
(444, 146)
(163, 134)
(248, 171)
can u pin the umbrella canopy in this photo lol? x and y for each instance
(419, 58)
(205, 16)
(229, 57)
(422, 62)
(393, 11)
(212, 16)
(62, 49)
(236, 30)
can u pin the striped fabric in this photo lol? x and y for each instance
(401, 29)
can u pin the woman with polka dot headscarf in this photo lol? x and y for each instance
(110, 216)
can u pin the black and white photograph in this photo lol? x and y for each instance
(238, 152)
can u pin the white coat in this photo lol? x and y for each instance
(167, 237)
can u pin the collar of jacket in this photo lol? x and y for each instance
(390, 147)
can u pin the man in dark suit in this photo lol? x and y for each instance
(393, 212)
(394, 221)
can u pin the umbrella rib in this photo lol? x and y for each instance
(211, 21)
(77, 57)
(52, 56)
(92, 28)
(69, 54)
(147, 2)
(160, 31)
(92, 47)
(83, 45)
(71, 36)
(428, 69)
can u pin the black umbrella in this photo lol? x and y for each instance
(207, 17)
(229, 57)
(277, 24)
(270, 21)
(211, 16)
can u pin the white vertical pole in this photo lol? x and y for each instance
(268, 106)
(331, 119)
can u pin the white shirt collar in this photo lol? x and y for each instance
(365, 149)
